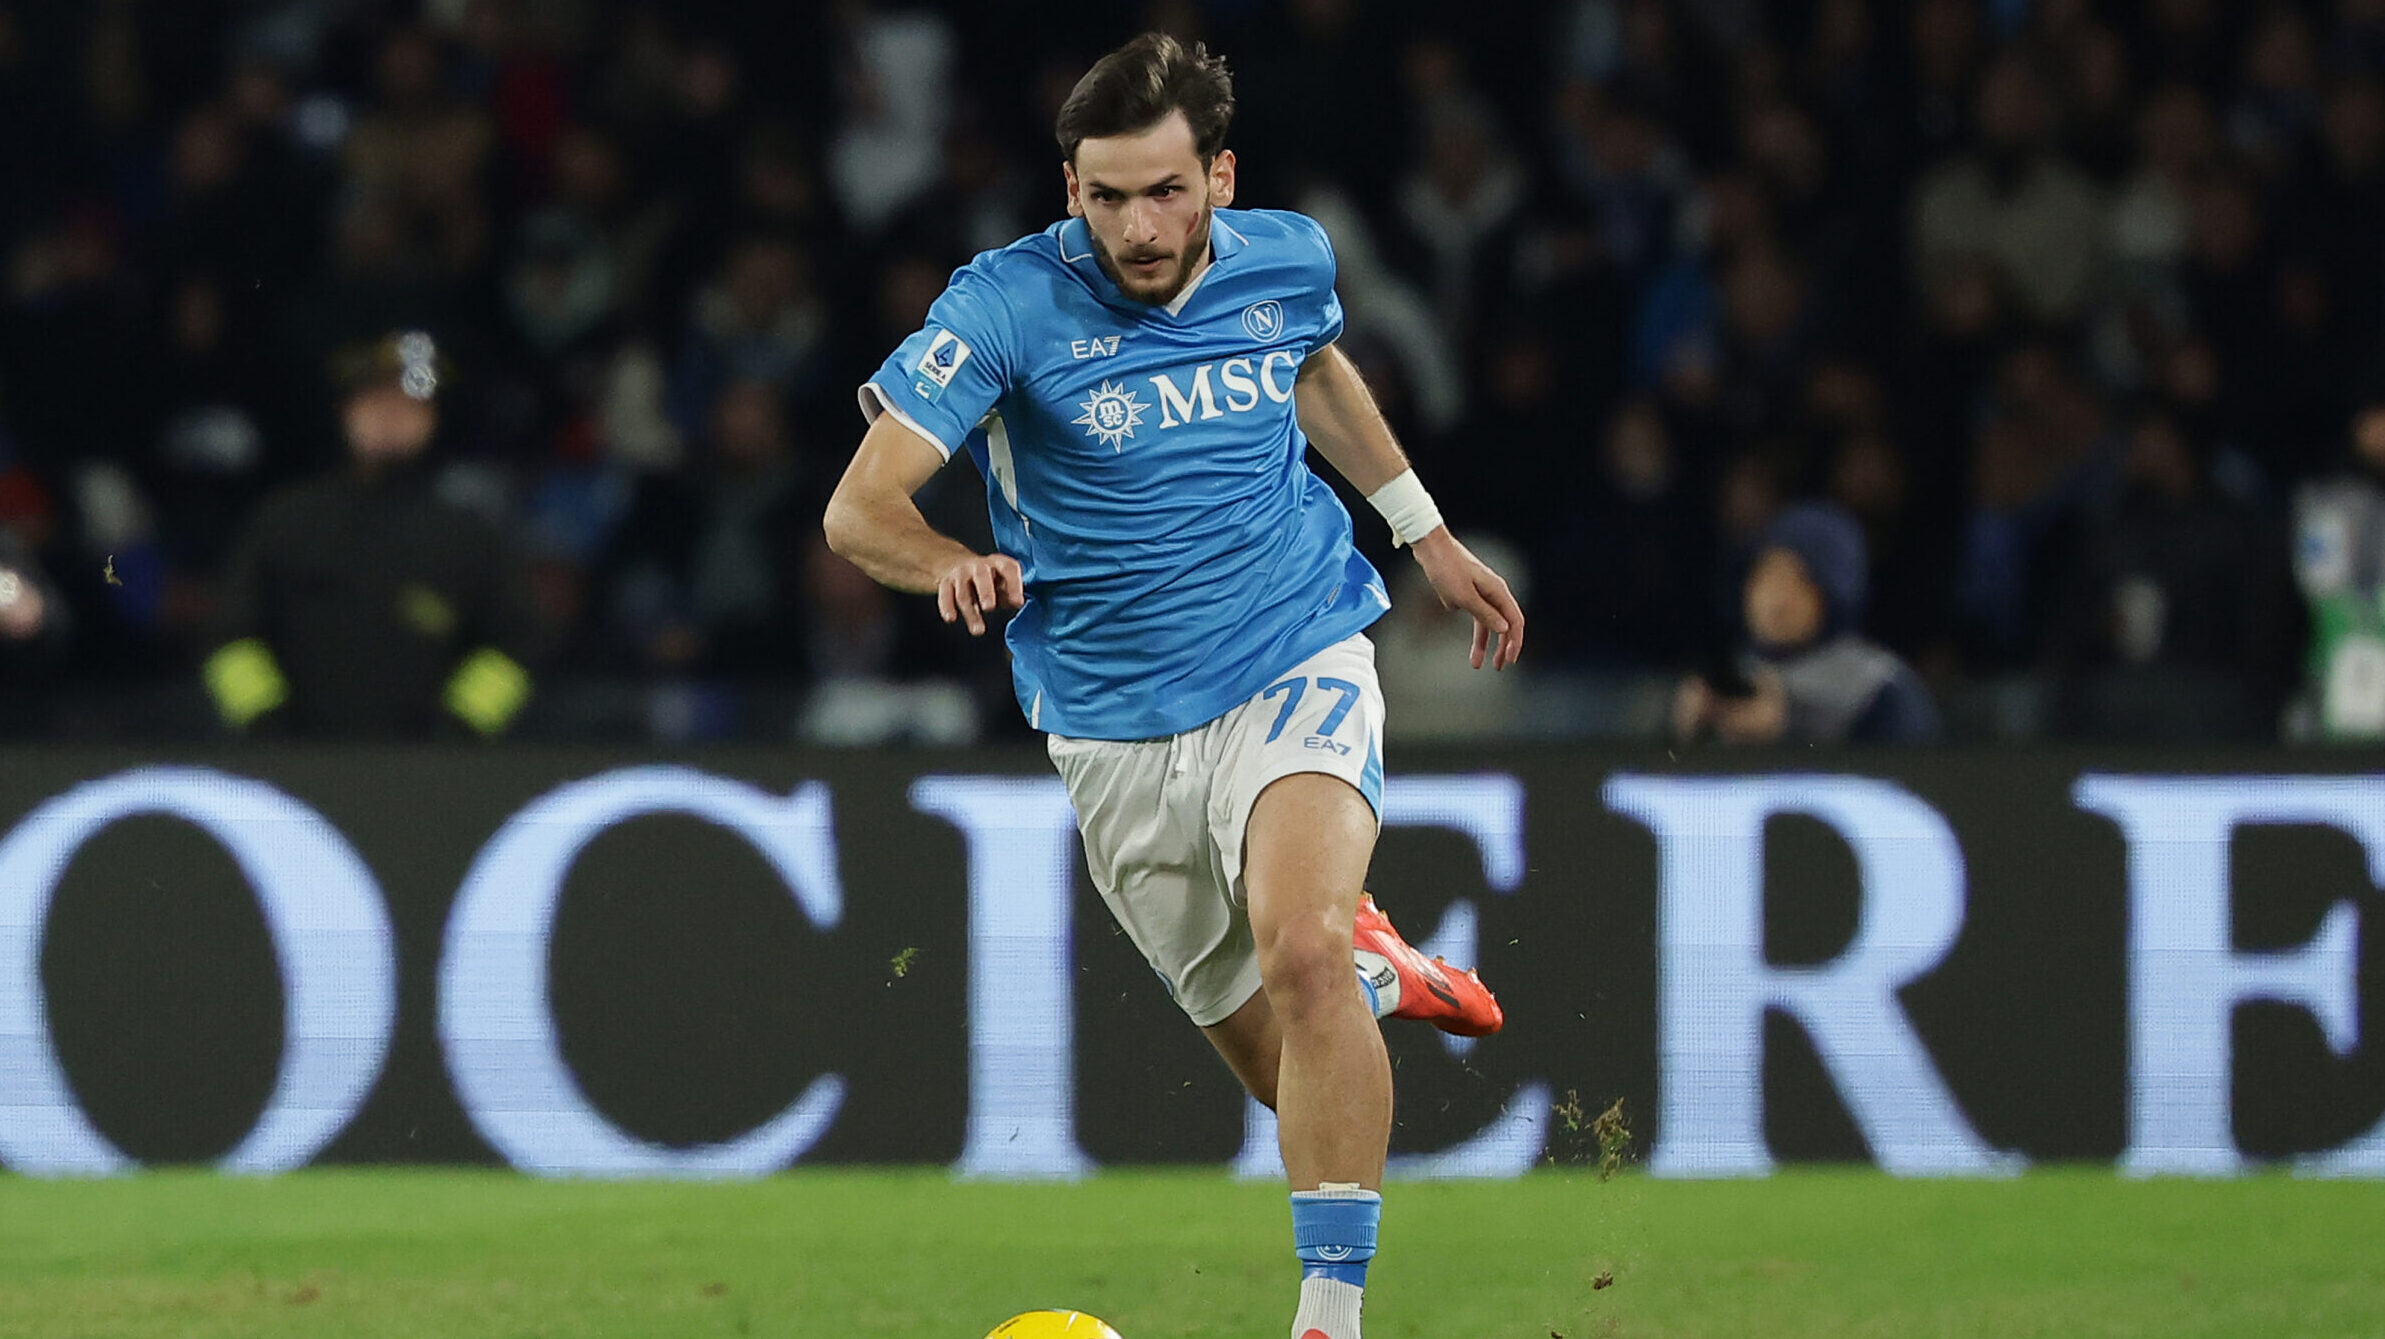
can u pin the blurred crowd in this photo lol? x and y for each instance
(2043, 337)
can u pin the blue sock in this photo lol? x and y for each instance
(1374, 1001)
(1333, 1231)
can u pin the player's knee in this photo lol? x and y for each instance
(1307, 968)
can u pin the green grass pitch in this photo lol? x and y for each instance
(828, 1254)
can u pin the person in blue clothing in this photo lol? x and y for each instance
(1809, 675)
(1139, 384)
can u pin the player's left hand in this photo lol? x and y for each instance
(1467, 584)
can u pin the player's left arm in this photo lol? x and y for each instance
(1342, 422)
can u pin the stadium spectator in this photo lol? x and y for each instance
(1383, 307)
(762, 319)
(586, 257)
(2094, 72)
(981, 203)
(706, 569)
(1767, 336)
(423, 151)
(375, 280)
(2178, 621)
(73, 311)
(32, 636)
(614, 211)
(1638, 518)
(2338, 200)
(235, 200)
(1810, 675)
(25, 600)
(1946, 42)
(2034, 461)
(212, 396)
(2279, 99)
(1616, 159)
(2014, 200)
(1462, 200)
(363, 605)
(879, 673)
(33, 633)
(1511, 484)
(2177, 142)
(1874, 477)
(895, 101)
(2229, 283)
(2339, 557)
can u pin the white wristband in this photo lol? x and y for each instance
(1407, 507)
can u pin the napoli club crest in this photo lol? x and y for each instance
(1264, 320)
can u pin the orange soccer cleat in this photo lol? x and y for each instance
(1421, 987)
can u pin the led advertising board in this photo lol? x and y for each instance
(591, 964)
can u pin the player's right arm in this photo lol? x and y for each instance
(873, 524)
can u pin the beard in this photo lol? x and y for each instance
(1161, 289)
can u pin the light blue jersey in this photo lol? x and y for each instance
(1144, 467)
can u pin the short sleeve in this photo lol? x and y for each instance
(943, 380)
(1329, 315)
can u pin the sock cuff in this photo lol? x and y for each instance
(1334, 1227)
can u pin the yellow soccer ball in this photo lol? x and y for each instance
(1053, 1325)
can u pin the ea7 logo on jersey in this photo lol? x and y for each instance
(946, 352)
(1111, 415)
(1100, 346)
(1264, 320)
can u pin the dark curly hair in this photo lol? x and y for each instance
(1136, 86)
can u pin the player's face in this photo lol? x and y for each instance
(1147, 200)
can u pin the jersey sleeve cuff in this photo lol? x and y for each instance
(875, 401)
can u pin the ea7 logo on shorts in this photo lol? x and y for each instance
(1321, 742)
(946, 352)
(1264, 320)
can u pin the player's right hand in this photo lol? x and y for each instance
(1466, 584)
(975, 585)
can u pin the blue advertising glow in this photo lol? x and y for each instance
(1714, 985)
(2186, 976)
(331, 938)
(496, 1022)
(1022, 1012)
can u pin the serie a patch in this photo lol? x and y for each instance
(946, 352)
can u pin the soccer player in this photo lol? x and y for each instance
(1138, 384)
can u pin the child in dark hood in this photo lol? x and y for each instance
(1810, 675)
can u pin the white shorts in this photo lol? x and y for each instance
(1163, 819)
